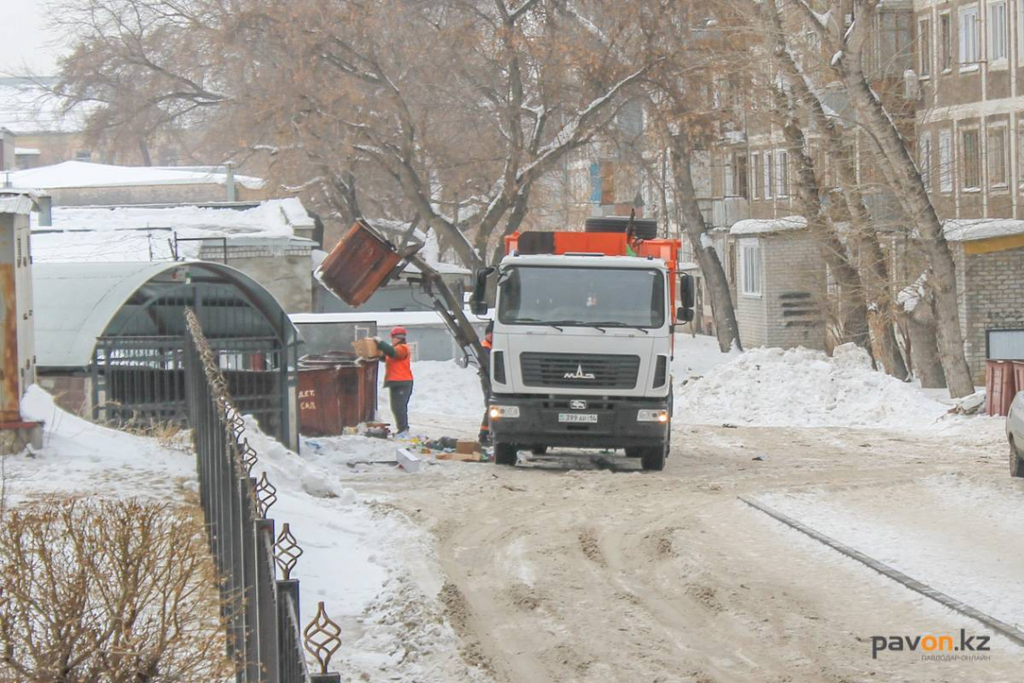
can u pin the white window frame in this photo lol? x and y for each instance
(946, 161)
(1004, 128)
(962, 156)
(729, 179)
(769, 177)
(781, 174)
(1020, 154)
(1020, 32)
(924, 159)
(750, 279)
(969, 47)
(924, 38)
(995, 40)
(944, 48)
(755, 167)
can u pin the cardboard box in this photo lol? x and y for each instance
(467, 447)
(459, 457)
(366, 348)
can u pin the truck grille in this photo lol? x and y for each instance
(574, 370)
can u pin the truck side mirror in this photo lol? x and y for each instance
(478, 300)
(686, 298)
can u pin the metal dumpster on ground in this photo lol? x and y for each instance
(1000, 386)
(335, 392)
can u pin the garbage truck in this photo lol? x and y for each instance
(582, 344)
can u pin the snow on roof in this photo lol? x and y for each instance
(968, 229)
(140, 233)
(26, 107)
(15, 203)
(26, 151)
(759, 226)
(84, 174)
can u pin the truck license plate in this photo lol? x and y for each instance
(577, 417)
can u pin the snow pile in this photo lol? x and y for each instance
(804, 388)
(756, 226)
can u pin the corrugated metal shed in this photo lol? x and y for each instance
(77, 302)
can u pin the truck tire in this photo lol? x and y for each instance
(634, 452)
(505, 453)
(646, 228)
(1016, 461)
(653, 459)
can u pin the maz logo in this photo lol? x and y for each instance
(579, 374)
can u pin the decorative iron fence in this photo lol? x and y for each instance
(261, 611)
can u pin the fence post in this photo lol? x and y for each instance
(266, 609)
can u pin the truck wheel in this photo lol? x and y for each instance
(633, 452)
(505, 453)
(1016, 462)
(653, 458)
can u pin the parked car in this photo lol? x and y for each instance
(1015, 434)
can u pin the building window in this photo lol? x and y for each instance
(1005, 344)
(595, 183)
(998, 161)
(750, 267)
(924, 51)
(1020, 155)
(782, 173)
(741, 176)
(757, 180)
(924, 159)
(946, 160)
(970, 55)
(83, 155)
(997, 33)
(945, 42)
(970, 156)
(769, 175)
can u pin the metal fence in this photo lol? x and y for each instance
(260, 610)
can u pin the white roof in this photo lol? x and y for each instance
(588, 261)
(74, 174)
(759, 226)
(967, 229)
(15, 203)
(27, 151)
(139, 233)
(75, 302)
(382, 318)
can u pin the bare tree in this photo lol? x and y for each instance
(122, 592)
(846, 44)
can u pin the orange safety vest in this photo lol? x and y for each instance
(398, 369)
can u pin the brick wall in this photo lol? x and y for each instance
(993, 299)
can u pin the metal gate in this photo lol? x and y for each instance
(137, 371)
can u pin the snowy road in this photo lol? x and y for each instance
(588, 575)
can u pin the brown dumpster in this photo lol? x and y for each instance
(359, 264)
(335, 392)
(999, 386)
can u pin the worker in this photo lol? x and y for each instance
(397, 377)
(486, 343)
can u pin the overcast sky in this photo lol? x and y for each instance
(24, 39)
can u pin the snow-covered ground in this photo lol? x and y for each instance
(387, 577)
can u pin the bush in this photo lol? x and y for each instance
(115, 591)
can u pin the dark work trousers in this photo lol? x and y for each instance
(400, 394)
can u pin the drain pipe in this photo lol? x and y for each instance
(230, 182)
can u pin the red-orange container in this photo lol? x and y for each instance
(1000, 386)
(335, 392)
(359, 264)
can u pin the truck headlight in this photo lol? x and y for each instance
(499, 412)
(652, 416)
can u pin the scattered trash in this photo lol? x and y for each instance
(409, 461)
(970, 405)
(377, 430)
(729, 425)
(758, 457)
(444, 443)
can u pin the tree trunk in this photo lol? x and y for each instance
(871, 264)
(924, 350)
(722, 309)
(853, 311)
(902, 173)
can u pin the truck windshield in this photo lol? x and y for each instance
(581, 297)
